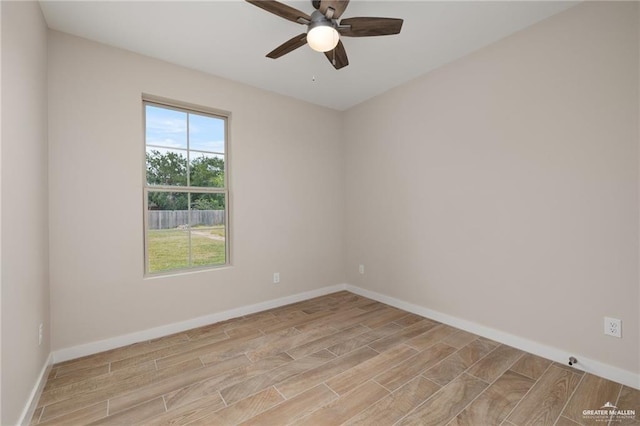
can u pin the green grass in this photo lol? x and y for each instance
(169, 249)
(218, 230)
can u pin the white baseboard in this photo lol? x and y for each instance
(549, 352)
(30, 407)
(164, 330)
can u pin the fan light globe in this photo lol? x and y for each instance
(323, 38)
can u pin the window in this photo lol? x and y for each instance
(186, 190)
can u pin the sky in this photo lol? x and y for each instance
(168, 128)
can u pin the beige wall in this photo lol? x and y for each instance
(503, 187)
(286, 180)
(24, 261)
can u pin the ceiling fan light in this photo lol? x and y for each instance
(323, 38)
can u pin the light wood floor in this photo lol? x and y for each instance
(336, 359)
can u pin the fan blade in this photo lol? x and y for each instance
(288, 46)
(338, 56)
(368, 27)
(282, 10)
(338, 7)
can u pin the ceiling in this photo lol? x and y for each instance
(230, 39)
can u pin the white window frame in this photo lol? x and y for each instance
(189, 109)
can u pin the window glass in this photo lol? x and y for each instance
(185, 189)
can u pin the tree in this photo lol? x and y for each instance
(207, 171)
(207, 201)
(170, 169)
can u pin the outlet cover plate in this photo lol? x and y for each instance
(612, 327)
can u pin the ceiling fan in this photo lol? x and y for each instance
(324, 29)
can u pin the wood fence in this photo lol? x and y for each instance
(169, 219)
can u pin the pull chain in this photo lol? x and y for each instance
(334, 51)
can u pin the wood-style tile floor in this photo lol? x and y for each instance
(336, 359)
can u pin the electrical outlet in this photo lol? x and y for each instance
(612, 327)
(276, 277)
(40, 328)
(361, 269)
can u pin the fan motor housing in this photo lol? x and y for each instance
(318, 20)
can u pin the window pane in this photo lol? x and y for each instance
(207, 170)
(208, 236)
(166, 127)
(166, 167)
(168, 231)
(206, 133)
